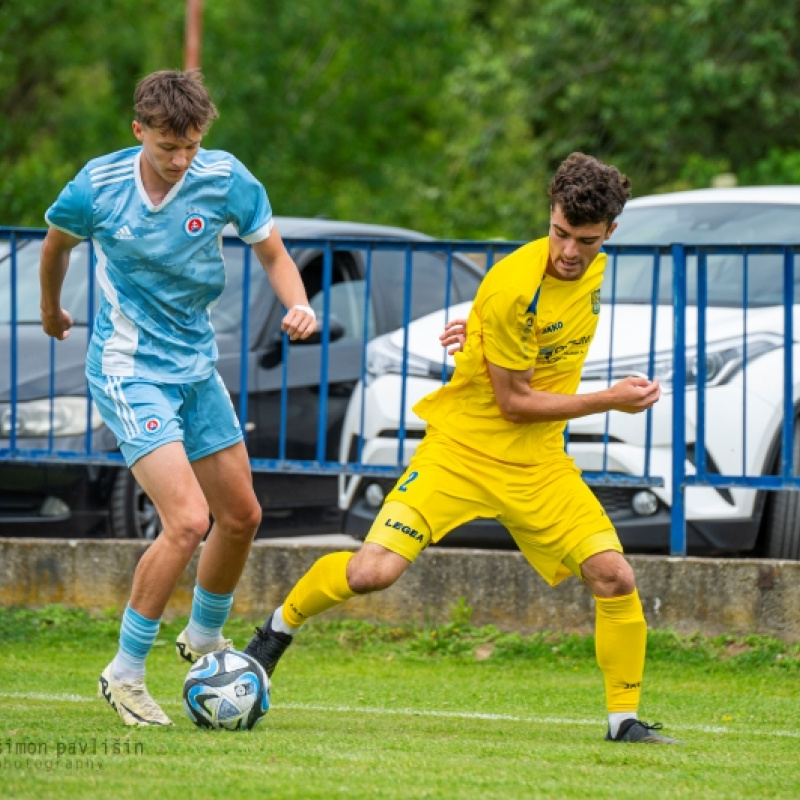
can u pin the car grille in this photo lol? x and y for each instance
(16, 505)
(615, 500)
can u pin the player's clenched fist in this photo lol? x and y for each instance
(300, 322)
(634, 394)
(58, 324)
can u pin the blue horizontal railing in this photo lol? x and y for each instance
(669, 267)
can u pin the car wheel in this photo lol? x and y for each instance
(131, 512)
(782, 523)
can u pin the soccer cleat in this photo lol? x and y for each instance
(191, 654)
(131, 700)
(637, 732)
(267, 646)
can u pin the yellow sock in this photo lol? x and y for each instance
(620, 644)
(322, 587)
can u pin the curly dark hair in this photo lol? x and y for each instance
(174, 102)
(588, 191)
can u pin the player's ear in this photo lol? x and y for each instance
(611, 228)
(137, 129)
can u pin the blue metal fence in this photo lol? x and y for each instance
(787, 478)
(674, 262)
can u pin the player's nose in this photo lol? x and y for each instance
(571, 248)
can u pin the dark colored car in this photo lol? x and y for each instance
(45, 491)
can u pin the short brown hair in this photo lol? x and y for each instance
(588, 191)
(175, 102)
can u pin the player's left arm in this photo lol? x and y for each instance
(300, 321)
(519, 402)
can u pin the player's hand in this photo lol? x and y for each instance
(300, 322)
(57, 324)
(634, 394)
(454, 336)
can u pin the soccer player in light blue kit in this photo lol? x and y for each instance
(155, 214)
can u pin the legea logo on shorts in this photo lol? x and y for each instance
(406, 529)
(194, 225)
(152, 425)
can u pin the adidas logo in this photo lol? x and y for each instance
(124, 233)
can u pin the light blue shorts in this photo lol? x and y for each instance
(144, 415)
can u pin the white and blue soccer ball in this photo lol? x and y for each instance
(226, 690)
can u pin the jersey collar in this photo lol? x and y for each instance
(170, 196)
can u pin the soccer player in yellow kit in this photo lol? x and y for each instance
(494, 445)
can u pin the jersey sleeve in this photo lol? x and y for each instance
(72, 211)
(508, 330)
(248, 206)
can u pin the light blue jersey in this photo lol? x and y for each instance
(160, 268)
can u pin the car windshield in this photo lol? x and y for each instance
(732, 280)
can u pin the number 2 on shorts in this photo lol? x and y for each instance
(411, 476)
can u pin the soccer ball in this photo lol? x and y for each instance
(227, 690)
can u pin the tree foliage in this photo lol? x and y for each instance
(443, 115)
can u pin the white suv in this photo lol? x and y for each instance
(744, 357)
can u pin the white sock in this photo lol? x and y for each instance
(124, 672)
(200, 638)
(616, 719)
(279, 625)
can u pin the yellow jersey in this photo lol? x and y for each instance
(520, 318)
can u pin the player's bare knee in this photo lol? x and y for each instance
(239, 523)
(609, 575)
(621, 584)
(253, 521)
(364, 581)
(372, 575)
(186, 533)
(245, 524)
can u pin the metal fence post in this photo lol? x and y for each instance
(677, 539)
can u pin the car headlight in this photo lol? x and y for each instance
(384, 358)
(34, 418)
(724, 359)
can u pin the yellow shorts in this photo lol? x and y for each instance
(554, 517)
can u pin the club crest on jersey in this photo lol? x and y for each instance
(195, 224)
(596, 301)
(152, 425)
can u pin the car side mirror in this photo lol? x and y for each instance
(274, 353)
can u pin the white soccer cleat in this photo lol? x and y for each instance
(131, 700)
(187, 652)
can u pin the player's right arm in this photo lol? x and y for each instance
(520, 403)
(53, 265)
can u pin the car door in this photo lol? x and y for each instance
(282, 425)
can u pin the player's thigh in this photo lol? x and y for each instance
(552, 514)
(209, 419)
(400, 529)
(448, 485)
(227, 483)
(167, 477)
(142, 415)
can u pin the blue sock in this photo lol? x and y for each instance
(209, 612)
(136, 637)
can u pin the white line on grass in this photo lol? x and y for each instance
(514, 718)
(414, 712)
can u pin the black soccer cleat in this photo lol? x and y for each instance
(635, 731)
(268, 645)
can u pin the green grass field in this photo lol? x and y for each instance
(365, 711)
